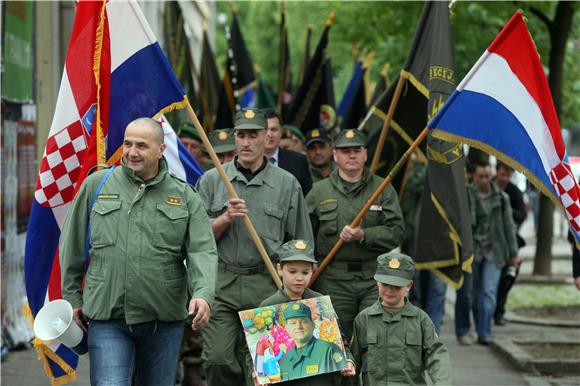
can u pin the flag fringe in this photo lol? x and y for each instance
(415, 82)
(45, 353)
(437, 133)
(455, 284)
(97, 74)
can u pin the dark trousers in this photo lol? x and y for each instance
(505, 285)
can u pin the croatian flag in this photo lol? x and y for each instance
(504, 107)
(115, 72)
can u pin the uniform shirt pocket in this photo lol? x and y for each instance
(171, 226)
(328, 219)
(104, 223)
(414, 351)
(273, 221)
(375, 355)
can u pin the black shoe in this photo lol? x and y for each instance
(500, 322)
(484, 341)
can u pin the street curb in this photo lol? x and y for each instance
(512, 317)
(527, 363)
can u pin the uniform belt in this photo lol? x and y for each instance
(242, 270)
(354, 266)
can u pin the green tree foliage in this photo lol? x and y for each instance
(387, 29)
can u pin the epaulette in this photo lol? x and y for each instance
(182, 180)
(98, 167)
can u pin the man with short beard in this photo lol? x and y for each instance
(273, 200)
(319, 153)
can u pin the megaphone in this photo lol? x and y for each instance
(54, 324)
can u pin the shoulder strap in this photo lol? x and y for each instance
(95, 195)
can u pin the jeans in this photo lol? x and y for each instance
(149, 351)
(486, 275)
(433, 292)
(463, 305)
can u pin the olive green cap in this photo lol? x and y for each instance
(350, 138)
(296, 250)
(187, 130)
(395, 269)
(250, 119)
(316, 135)
(222, 140)
(294, 130)
(297, 310)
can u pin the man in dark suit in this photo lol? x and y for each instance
(291, 161)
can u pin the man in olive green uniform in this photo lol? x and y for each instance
(319, 153)
(333, 203)
(273, 200)
(310, 356)
(395, 342)
(144, 223)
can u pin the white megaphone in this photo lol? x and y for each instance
(54, 324)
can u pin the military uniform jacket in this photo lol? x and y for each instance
(499, 220)
(396, 350)
(317, 357)
(331, 206)
(140, 235)
(275, 206)
(316, 173)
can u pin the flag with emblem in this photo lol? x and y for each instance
(115, 72)
(313, 103)
(504, 106)
(444, 240)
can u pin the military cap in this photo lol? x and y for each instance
(350, 138)
(316, 135)
(294, 130)
(297, 310)
(187, 130)
(222, 140)
(296, 250)
(250, 119)
(395, 269)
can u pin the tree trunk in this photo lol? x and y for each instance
(559, 29)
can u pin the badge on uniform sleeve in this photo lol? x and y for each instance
(173, 201)
(337, 357)
(312, 369)
(376, 208)
(394, 263)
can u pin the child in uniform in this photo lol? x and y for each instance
(394, 342)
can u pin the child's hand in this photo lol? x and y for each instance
(256, 381)
(350, 370)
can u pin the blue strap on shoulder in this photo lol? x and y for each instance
(88, 238)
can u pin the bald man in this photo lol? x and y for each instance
(144, 224)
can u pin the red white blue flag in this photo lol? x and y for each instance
(504, 107)
(115, 72)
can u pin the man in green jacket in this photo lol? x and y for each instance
(273, 200)
(144, 224)
(319, 153)
(310, 356)
(333, 203)
(495, 247)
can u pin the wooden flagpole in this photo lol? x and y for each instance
(357, 220)
(233, 194)
(386, 123)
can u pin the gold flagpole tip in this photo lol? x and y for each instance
(386, 69)
(232, 7)
(330, 19)
(369, 59)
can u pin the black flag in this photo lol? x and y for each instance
(313, 104)
(209, 85)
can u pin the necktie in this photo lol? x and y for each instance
(272, 160)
